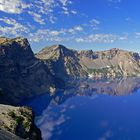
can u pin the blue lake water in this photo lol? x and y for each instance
(91, 110)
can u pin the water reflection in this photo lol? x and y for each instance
(91, 110)
(119, 87)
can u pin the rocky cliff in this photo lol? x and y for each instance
(64, 62)
(22, 75)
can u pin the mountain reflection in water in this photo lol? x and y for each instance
(91, 110)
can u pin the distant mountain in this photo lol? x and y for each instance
(66, 63)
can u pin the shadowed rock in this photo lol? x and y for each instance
(22, 75)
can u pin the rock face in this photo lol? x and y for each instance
(64, 62)
(111, 63)
(6, 135)
(22, 75)
(18, 121)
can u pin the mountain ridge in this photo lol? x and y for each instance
(94, 62)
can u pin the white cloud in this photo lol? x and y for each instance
(124, 37)
(100, 38)
(41, 10)
(65, 2)
(55, 35)
(12, 6)
(65, 10)
(76, 33)
(115, 1)
(137, 35)
(37, 17)
(74, 12)
(47, 8)
(94, 23)
(45, 35)
(75, 29)
(78, 28)
(14, 28)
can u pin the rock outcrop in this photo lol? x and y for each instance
(18, 122)
(22, 75)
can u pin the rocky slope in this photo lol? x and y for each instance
(111, 63)
(22, 75)
(6, 135)
(17, 122)
(64, 62)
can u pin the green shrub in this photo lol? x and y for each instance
(12, 114)
(26, 124)
(19, 119)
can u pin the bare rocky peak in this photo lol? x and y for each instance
(108, 54)
(88, 53)
(55, 51)
(53, 48)
(59, 46)
(16, 50)
(3, 39)
(15, 43)
(20, 41)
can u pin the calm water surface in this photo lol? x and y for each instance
(91, 110)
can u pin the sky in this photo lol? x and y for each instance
(77, 24)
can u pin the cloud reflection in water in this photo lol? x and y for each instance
(86, 112)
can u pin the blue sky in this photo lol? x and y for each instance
(78, 24)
